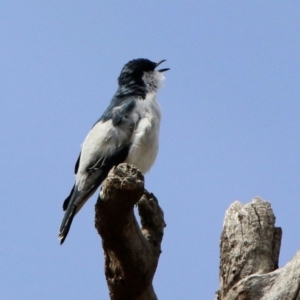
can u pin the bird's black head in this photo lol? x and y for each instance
(140, 76)
(134, 70)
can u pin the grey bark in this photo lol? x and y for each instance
(250, 246)
(131, 253)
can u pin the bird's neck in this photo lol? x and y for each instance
(131, 90)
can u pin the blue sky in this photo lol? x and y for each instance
(230, 131)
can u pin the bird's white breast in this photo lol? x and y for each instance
(145, 137)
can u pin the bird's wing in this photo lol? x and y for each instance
(107, 143)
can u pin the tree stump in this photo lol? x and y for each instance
(131, 254)
(250, 246)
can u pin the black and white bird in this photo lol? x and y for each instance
(128, 131)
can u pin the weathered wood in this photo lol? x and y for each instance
(131, 254)
(250, 246)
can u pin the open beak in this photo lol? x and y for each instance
(162, 70)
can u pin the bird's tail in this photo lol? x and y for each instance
(70, 209)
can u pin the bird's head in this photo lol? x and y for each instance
(142, 73)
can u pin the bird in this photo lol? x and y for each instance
(127, 131)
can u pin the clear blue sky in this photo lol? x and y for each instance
(230, 130)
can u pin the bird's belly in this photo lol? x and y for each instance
(144, 147)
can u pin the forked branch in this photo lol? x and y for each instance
(131, 254)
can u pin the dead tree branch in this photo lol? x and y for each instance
(250, 246)
(131, 254)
